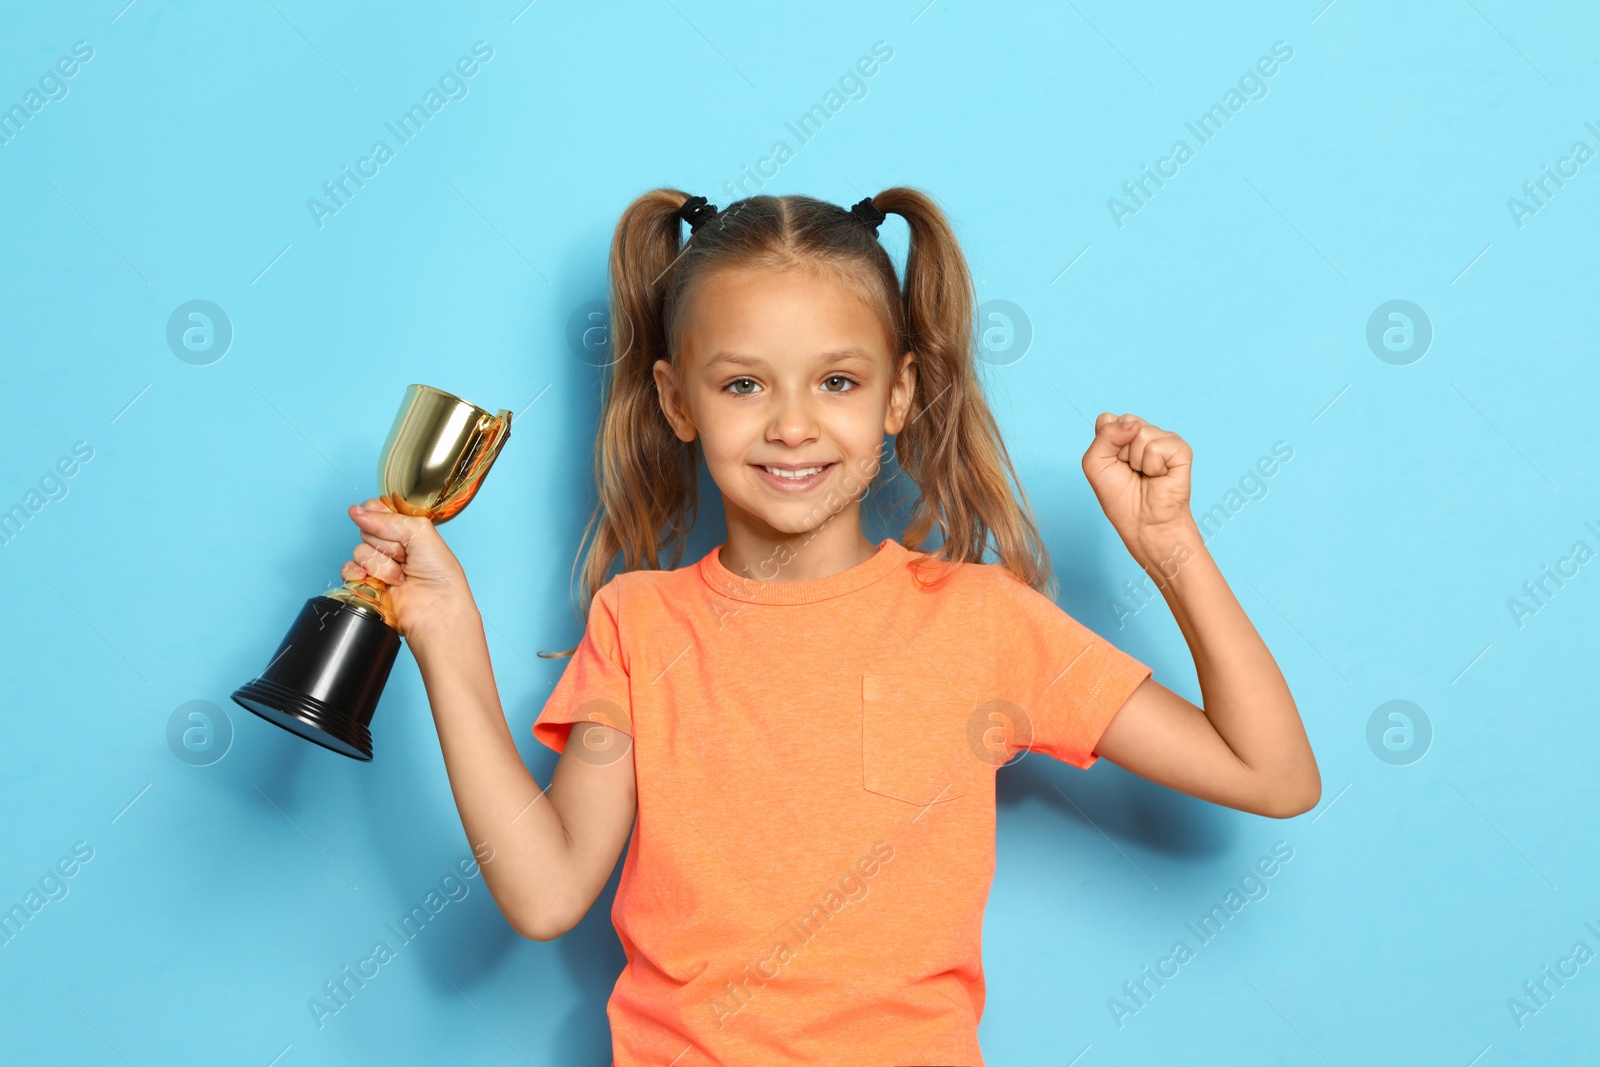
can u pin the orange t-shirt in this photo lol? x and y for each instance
(815, 763)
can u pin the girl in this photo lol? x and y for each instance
(801, 729)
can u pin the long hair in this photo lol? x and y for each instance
(950, 446)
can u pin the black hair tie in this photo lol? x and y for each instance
(869, 214)
(696, 212)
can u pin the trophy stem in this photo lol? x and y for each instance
(367, 594)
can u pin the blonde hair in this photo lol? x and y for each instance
(950, 446)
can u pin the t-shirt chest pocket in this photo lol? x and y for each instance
(913, 742)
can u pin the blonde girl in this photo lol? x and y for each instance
(797, 734)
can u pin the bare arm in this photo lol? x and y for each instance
(552, 849)
(1246, 748)
(545, 854)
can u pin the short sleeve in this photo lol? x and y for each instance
(594, 687)
(1067, 680)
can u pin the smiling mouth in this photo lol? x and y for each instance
(794, 479)
(798, 474)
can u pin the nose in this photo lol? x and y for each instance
(793, 421)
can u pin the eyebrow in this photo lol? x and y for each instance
(843, 355)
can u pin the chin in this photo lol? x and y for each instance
(795, 524)
(797, 519)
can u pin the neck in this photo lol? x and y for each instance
(757, 549)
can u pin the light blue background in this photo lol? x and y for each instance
(1232, 308)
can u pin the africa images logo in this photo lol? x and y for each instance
(452, 85)
(1252, 86)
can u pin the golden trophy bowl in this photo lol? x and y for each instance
(329, 671)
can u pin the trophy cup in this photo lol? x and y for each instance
(328, 673)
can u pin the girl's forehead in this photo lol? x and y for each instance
(802, 281)
(809, 309)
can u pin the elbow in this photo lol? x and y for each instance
(540, 929)
(1288, 809)
(1296, 798)
(541, 923)
(537, 933)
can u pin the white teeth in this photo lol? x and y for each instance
(793, 475)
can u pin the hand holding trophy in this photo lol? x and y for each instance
(329, 671)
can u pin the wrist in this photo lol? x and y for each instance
(447, 621)
(1163, 550)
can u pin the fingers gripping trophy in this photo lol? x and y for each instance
(329, 671)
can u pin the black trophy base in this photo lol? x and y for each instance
(326, 678)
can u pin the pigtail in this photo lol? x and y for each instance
(951, 446)
(645, 476)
